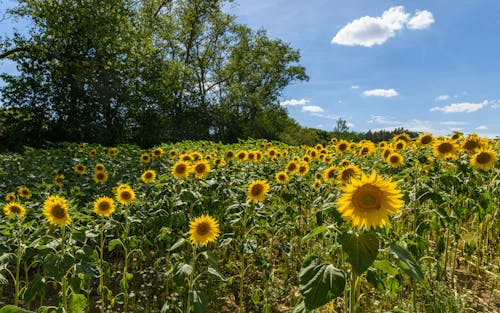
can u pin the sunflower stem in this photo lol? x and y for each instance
(191, 280)
(18, 261)
(353, 293)
(101, 265)
(63, 279)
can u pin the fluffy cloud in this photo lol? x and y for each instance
(369, 31)
(442, 98)
(294, 102)
(421, 20)
(482, 127)
(388, 123)
(381, 93)
(355, 87)
(467, 107)
(312, 109)
(453, 123)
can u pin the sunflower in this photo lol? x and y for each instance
(425, 139)
(258, 156)
(313, 153)
(186, 157)
(80, 169)
(203, 229)
(10, 197)
(367, 148)
(303, 168)
(400, 145)
(484, 159)
(229, 154)
(382, 144)
(145, 158)
(58, 180)
(386, 153)
(404, 136)
(101, 177)
(180, 169)
(281, 177)
(241, 155)
(257, 190)
(55, 209)
(318, 175)
(251, 156)
(394, 159)
(81, 146)
(200, 169)
(196, 156)
(92, 153)
(330, 174)
(292, 167)
(125, 194)
(104, 206)
(209, 157)
(368, 202)
(14, 208)
(113, 151)
(444, 148)
(306, 158)
(99, 167)
(158, 153)
(24, 192)
(317, 184)
(471, 144)
(148, 176)
(456, 135)
(272, 153)
(173, 153)
(343, 146)
(220, 162)
(345, 162)
(347, 173)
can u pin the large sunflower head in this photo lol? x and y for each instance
(158, 153)
(14, 209)
(55, 209)
(186, 157)
(400, 144)
(292, 167)
(343, 146)
(10, 197)
(257, 190)
(272, 153)
(330, 174)
(347, 173)
(125, 194)
(200, 169)
(145, 158)
(241, 155)
(404, 136)
(368, 202)
(303, 168)
(367, 148)
(425, 139)
(80, 169)
(281, 177)
(471, 144)
(444, 148)
(148, 176)
(101, 177)
(483, 159)
(104, 206)
(24, 192)
(181, 169)
(203, 229)
(394, 159)
(99, 167)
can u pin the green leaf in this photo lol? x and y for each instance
(181, 272)
(361, 248)
(88, 270)
(13, 309)
(113, 243)
(35, 287)
(318, 230)
(386, 267)
(407, 259)
(176, 245)
(199, 301)
(300, 307)
(320, 282)
(77, 303)
(58, 266)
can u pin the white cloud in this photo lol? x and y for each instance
(467, 107)
(368, 31)
(482, 127)
(453, 123)
(421, 20)
(442, 98)
(355, 87)
(388, 123)
(350, 125)
(294, 102)
(381, 93)
(312, 109)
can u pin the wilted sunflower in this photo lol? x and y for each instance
(173, 153)
(145, 158)
(444, 148)
(80, 169)
(180, 169)
(55, 209)
(241, 155)
(303, 168)
(257, 190)
(425, 139)
(281, 177)
(203, 229)
(101, 177)
(329, 174)
(158, 153)
(104, 206)
(24, 192)
(200, 169)
(368, 202)
(10, 197)
(92, 153)
(292, 167)
(347, 173)
(58, 180)
(394, 159)
(483, 159)
(148, 176)
(125, 194)
(14, 208)
(113, 151)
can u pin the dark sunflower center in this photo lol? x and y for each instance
(25, 192)
(257, 190)
(399, 145)
(426, 139)
(58, 211)
(15, 209)
(342, 147)
(471, 145)
(483, 158)
(229, 154)
(394, 159)
(241, 156)
(200, 168)
(180, 169)
(292, 167)
(348, 173)
(364, 151)
(445, 147)
(367, 197)
(281, 177)
(330, 174)
(302, 169)
(126, 195)
(387, 153)
(100, 176)
(104, 206)
(203, 229)
(80, 168)
(149, 175)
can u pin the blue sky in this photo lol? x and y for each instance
(427, 65)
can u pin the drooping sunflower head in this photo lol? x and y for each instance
(113, 151)
(80, 169)
(303, 169)
(200, 169)
(92, 153)
(330, 174)
(483, 159)
(394, 159)
(104, 206)
(425, 139)
(203, 229)
(101, 177)
(257, 190)
(292, 167)
(14, 209)
(55, 209)
(99, 167)
(158, 153)
(368, 202)
(444, 148)
(10, 197)
(181, 169)
(281, 177)
(145, 158)
(347, 173)
(125, 194)
(148, 176)
(24, 192)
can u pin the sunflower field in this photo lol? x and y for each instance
(410, 225)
